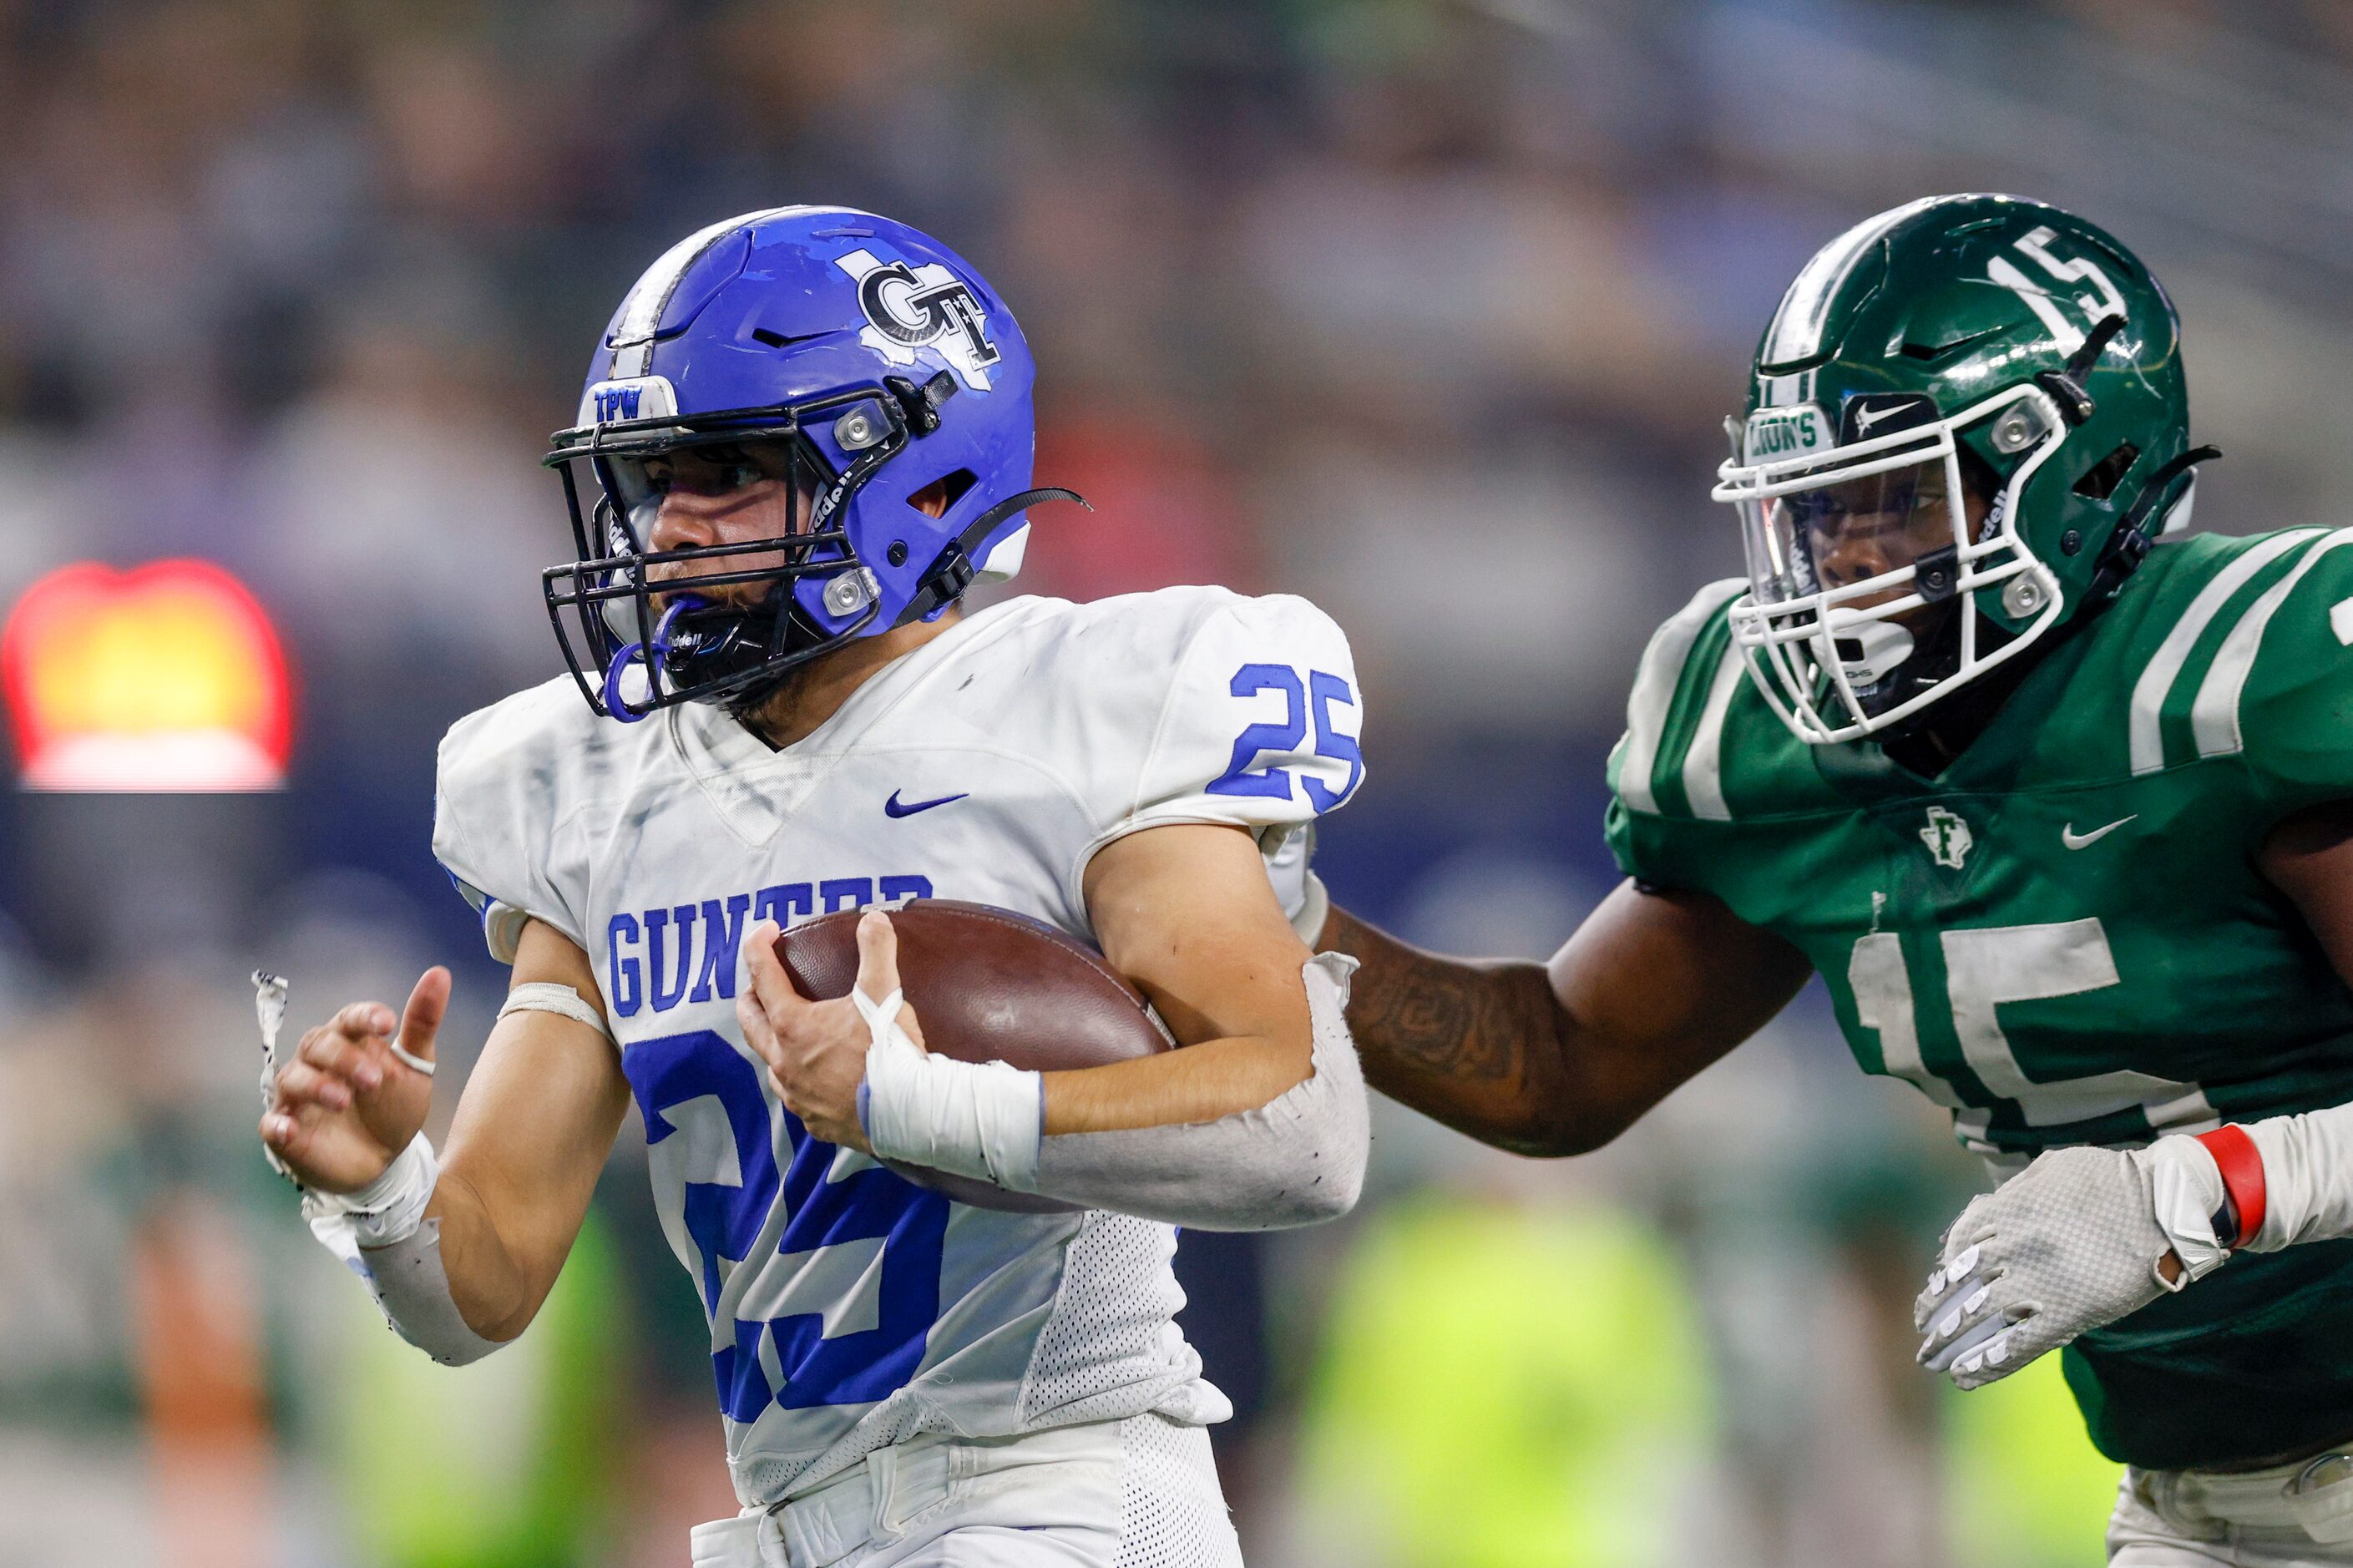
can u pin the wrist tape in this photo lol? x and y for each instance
(983, 1120)
(380, 1234)
(387, 1210)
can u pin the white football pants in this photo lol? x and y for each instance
(1139, 1493)
(2198, 1519)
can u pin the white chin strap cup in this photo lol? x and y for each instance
(1871, 650)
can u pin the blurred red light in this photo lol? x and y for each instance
(168, 677)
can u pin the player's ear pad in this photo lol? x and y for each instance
(987, 985)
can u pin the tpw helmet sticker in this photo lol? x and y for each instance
(909, 308)
(632, 397)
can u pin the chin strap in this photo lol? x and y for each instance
(952, 573)
(648, 656)
(2129, 546)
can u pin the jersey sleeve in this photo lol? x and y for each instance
(494, 819)
(1260, 726)
(2279, 691)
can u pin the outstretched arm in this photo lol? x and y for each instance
(1560, 1057)
(489, 1223)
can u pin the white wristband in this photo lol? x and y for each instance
(390, 1208)
(983, 1120)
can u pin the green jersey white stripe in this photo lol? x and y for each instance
(2156, 682)
(1655, 691)
(1703, 760)
(2214, 716)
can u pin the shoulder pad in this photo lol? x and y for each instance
(499, 796)
(1675, 662)
(2285, 592)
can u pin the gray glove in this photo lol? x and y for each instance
(2068, 1244)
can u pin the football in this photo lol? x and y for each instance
(987, 985)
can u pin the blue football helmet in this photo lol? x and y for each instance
(863, 364)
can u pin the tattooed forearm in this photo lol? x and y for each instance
(1559, 1058)
(1436, 1014)
(1475, 1046)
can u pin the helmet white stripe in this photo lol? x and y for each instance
(2146, 729)
(641, 312)
(2214, 716)
(1797, 330)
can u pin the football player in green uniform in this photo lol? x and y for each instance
(2064, 823)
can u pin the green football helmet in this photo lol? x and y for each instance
(1968, 420)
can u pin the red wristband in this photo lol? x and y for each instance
(2242, 1165)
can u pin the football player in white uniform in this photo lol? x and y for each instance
(805, 433)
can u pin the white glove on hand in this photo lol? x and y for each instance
(2068, 1244)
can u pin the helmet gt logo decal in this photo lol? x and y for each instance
(1948, 837)
(912, 308)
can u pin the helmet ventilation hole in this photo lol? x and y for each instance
(2100, 480)
(935, 498)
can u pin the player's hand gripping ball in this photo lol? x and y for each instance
(2070, 1243)
(346, 1104)
(980, 984)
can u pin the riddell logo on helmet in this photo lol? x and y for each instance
(909, 307)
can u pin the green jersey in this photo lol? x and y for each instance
(2063, 937)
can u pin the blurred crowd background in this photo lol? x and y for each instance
(1430, 309)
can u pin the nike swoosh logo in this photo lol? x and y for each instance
(892, 807)
(2074, 840)
(1870, 416)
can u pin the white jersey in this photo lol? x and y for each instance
(848, 1306)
